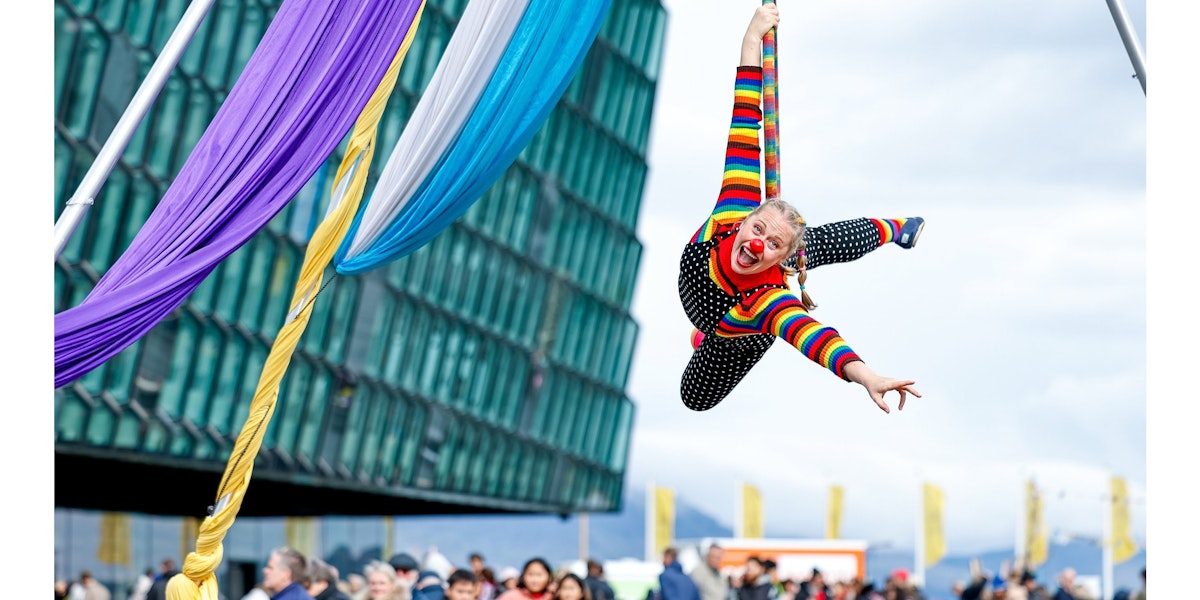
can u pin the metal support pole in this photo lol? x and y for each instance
(115, 145)
(1130, 39)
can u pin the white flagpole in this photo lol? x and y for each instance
(919, 559)
(115, 145)
(1130, 39)
(1107, 539)
(651, 521)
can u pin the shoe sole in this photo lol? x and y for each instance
(915, 236)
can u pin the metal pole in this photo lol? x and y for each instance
(1129, 37)
(115, 145)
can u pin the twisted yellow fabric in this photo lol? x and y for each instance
(198, 581)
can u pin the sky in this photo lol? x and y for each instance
(1045, 314)
(1018, 132)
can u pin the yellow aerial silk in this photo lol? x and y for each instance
(198, 580)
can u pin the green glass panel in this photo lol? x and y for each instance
(128, 431)
(479, 462)
(205, 357)
(373, 435)
(104, 228)
(393, 434)
(101, 425)
(233, 367)
(254, 286)
(401, 324)
(284, 271)
(412, 439)
(139, 22)
(319, 397)
(174, 390)
(71, 417)
(356, 425)
(252, 26)
(447, 452)
(79, 95)
(167, 112)
(432, 358)
(224, 16)
(64, 155)
(66, 35)
(383, 322)
(290, 410)
(167, 15)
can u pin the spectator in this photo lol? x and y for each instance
(285, 575)
(597, 587)
(756, 584)
(1141, 595)
(571, 587)
(142, 585)
(533, 583)
(384, 581)
(509, 579)
(707, 575)
(92, 589)
(406, 568)
(672, 583)
(462, 585)
(488, 587)
(814, 588)
(323, 581)
(158, 589)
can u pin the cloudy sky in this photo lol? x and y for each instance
(1017, 131)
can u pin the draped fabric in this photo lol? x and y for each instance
(197, 579)
(546, 49)
(310, 76)
(466, 67)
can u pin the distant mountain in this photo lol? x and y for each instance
(506, 540)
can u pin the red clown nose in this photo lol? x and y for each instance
(756, 246)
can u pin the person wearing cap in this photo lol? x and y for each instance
(407, 568)
(509, 578)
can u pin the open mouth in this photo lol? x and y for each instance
(746, 259)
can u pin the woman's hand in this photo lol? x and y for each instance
(877, 386)
(766, 16)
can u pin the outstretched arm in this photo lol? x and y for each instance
(740, 191)
(780, 313)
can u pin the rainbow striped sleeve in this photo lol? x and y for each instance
(740, 191)
(780, 313)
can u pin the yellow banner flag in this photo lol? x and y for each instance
(935, 541)
(1123, 546)
(664, 519)
(301, 535)
(115, 535)
(1037, 540)
(833, 524)
(752, 512)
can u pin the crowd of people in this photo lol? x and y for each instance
(289, 575)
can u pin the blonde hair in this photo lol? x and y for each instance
(792, 217)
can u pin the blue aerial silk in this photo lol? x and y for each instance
(546, 49)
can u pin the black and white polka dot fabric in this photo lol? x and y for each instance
(720, 363)
(838, 242)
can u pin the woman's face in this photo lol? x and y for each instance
(769, 229)
(568, 589)
(536, 578)
(378, 585)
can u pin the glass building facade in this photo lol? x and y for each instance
(485, 372)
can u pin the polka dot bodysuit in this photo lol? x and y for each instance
(742, 315)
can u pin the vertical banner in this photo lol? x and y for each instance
(302, 535)
(751, 517)
(189, 529)
(833, 523)
(1037, 540)
(664, 523)
(115, 537)
(1123, 546)
(935, 541)
(389, 525)
(660, 521)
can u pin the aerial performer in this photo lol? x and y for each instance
(733, 271)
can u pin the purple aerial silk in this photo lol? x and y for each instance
(309, 78)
